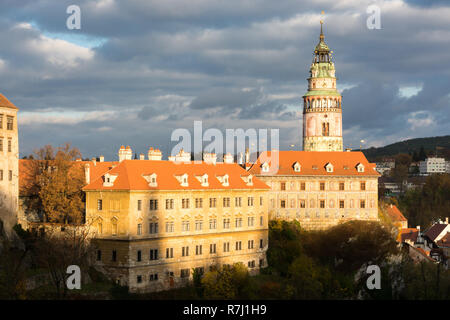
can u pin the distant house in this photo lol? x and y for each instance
(433, 165)
(444, 245)
(397, 218)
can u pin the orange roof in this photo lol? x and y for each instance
(130, 176)
(395, 214)
(5, 103)
(313, 163)
(408, 234)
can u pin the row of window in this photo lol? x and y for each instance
(10, 175)
(185, 252)
(9, 144)
(322, 185)
(198, 224)
(185, 273)
(186, 203)
(335, 215)
(322, 204)
(9, 122)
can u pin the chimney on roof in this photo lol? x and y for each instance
(209, 158)
(78, 159)
(154, 154)
(141, 156)
(94, 161)
(241, 161)
(228, 158)
(102, 159)
(348, 149)
(391, 205)
(446, 220)
(247, 156)
(87, 175)
(418, 228)
(182, 156)
(125, 153)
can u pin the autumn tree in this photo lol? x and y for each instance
(53, 182)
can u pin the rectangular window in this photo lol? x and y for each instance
(282, 203)
(341, 204)
(292, 203)
(153, 228)
(303, 186)
(153, 204)
(1, 144)
(198, 250)
(139, 279)
(251, 221)
(322, 204)
(139, 228)
(283, 186)
(185, 251)
(238, 222)
(250, 201)
(302, 203)
(10, 175)
(169, 253)
(170, 227)
(9, 145)
(226, 247)
(261, 220)
(114, 256)
(185, 203)
(260, 201)
(226, 202)
(153, 277)
(153, 254)
(251, 264)
(199, 202)
(99, 201)
(139, 205)
(362, 204)
(363, 186)
(238, 202)
(261, 243)
(341, 186)
(238, 245)
(1, 121)
(212, 223)
(198, 225)
(184, 273)
(212, 202)
(139, 255)
(169, 204)
(212, 248)
(226, 223)
(185, 226)
(99, 255)
(250, 244)
(9, 122)
(322, 186)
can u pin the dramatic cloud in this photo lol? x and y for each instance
(137, 70)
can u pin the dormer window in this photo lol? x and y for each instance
(224, 180)
(108, 179)
(265, 167)
(248, 179)
(203, 180)
(297, 167)
(151, 179)
(329, 167)
(183, 180)
(360, 167)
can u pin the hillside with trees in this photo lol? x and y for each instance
(418, 148)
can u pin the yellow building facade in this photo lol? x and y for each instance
(319, 189)
(156, 221)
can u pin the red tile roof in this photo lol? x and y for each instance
(313, 163)
(435, 231)
(409, 234)
(445, 241)
(395, 214)
(5, 103)
(130, 176)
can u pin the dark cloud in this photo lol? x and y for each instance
(163, 64)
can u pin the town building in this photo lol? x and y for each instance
(9, 162)
(322, 104)
(433, 165)
(319, 189)
(156, 220)
(396, 217)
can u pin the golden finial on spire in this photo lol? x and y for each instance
(321, 23)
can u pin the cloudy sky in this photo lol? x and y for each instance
(139, 69)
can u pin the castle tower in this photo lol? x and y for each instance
(322, 109)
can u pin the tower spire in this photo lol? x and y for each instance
(322, 37)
